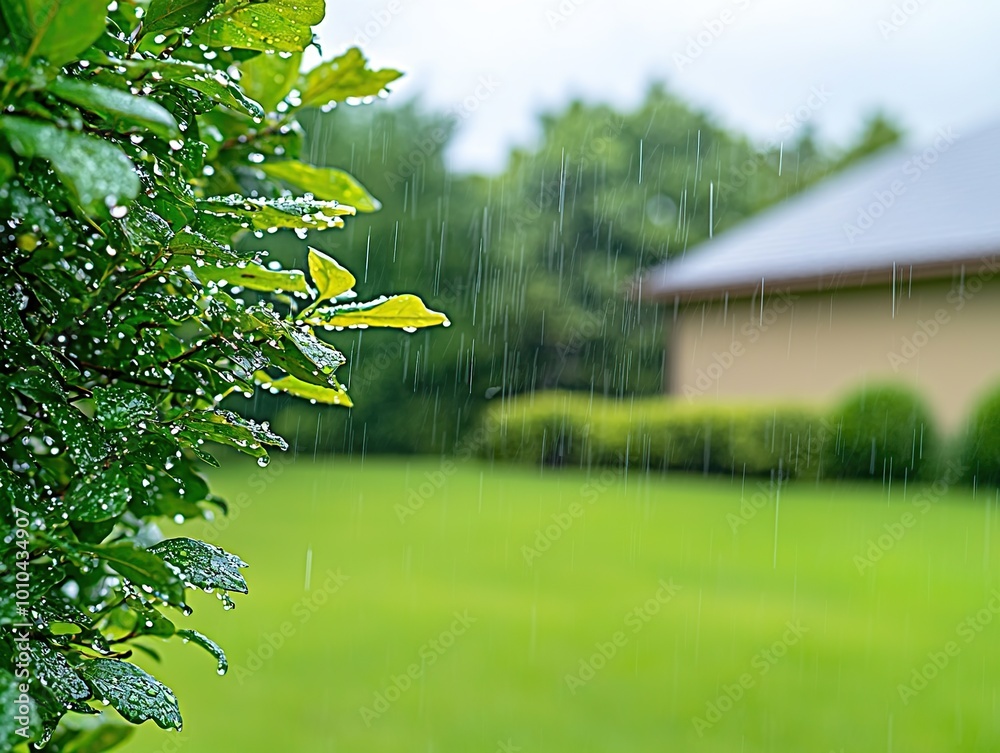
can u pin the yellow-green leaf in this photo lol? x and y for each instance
(266, 25)
(265, 214)
(343, 77)
(325, 183)
(255, 277)
(294, 386)
(269, 77)
(328, 276)
(400, 311)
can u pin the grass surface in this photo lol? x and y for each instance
(771, 624)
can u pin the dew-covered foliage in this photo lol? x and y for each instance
(138, 142)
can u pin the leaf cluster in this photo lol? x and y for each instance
(138, 143)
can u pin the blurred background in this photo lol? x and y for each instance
(477, 572)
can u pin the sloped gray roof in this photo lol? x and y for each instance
(944, 212)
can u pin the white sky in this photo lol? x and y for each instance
(934, 63)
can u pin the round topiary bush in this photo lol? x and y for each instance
(884, 431)
(981, 449)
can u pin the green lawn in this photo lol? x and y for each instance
(763, 639)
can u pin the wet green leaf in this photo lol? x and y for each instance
(164, 15)
(85, 441)
(117, 106)
(269, 77)
(56, 30)
(140, 567)
(97, 171)
(225, 427)
(50, 668)
(255, 277)
(202, 564)
(267, 25)
(11, 327)
(136, 695)
(120, 406)
(266, 214)
(101, 497)
(209, 645)
(301, 354)
(36, 383)
(152, 622)
(400, 311)
(344, 77)
(325, 183)
(218, 87)
(328, 276)
(325, 395)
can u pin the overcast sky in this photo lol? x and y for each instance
(930, 63)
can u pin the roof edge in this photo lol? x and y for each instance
(986, 265)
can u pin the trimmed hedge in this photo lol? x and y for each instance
(883, 431)
(561, 428)
(981, 447)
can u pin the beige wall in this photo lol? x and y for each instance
(942, 338)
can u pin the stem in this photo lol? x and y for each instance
(124, 376)
(196, 349)
(134, 38)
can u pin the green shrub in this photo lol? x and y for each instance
(653, 433)
(981, 446)
(138, 142)
(550, 428)
(883, 431)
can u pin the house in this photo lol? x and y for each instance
(886, 272)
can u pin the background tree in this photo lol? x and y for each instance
(534, 263)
